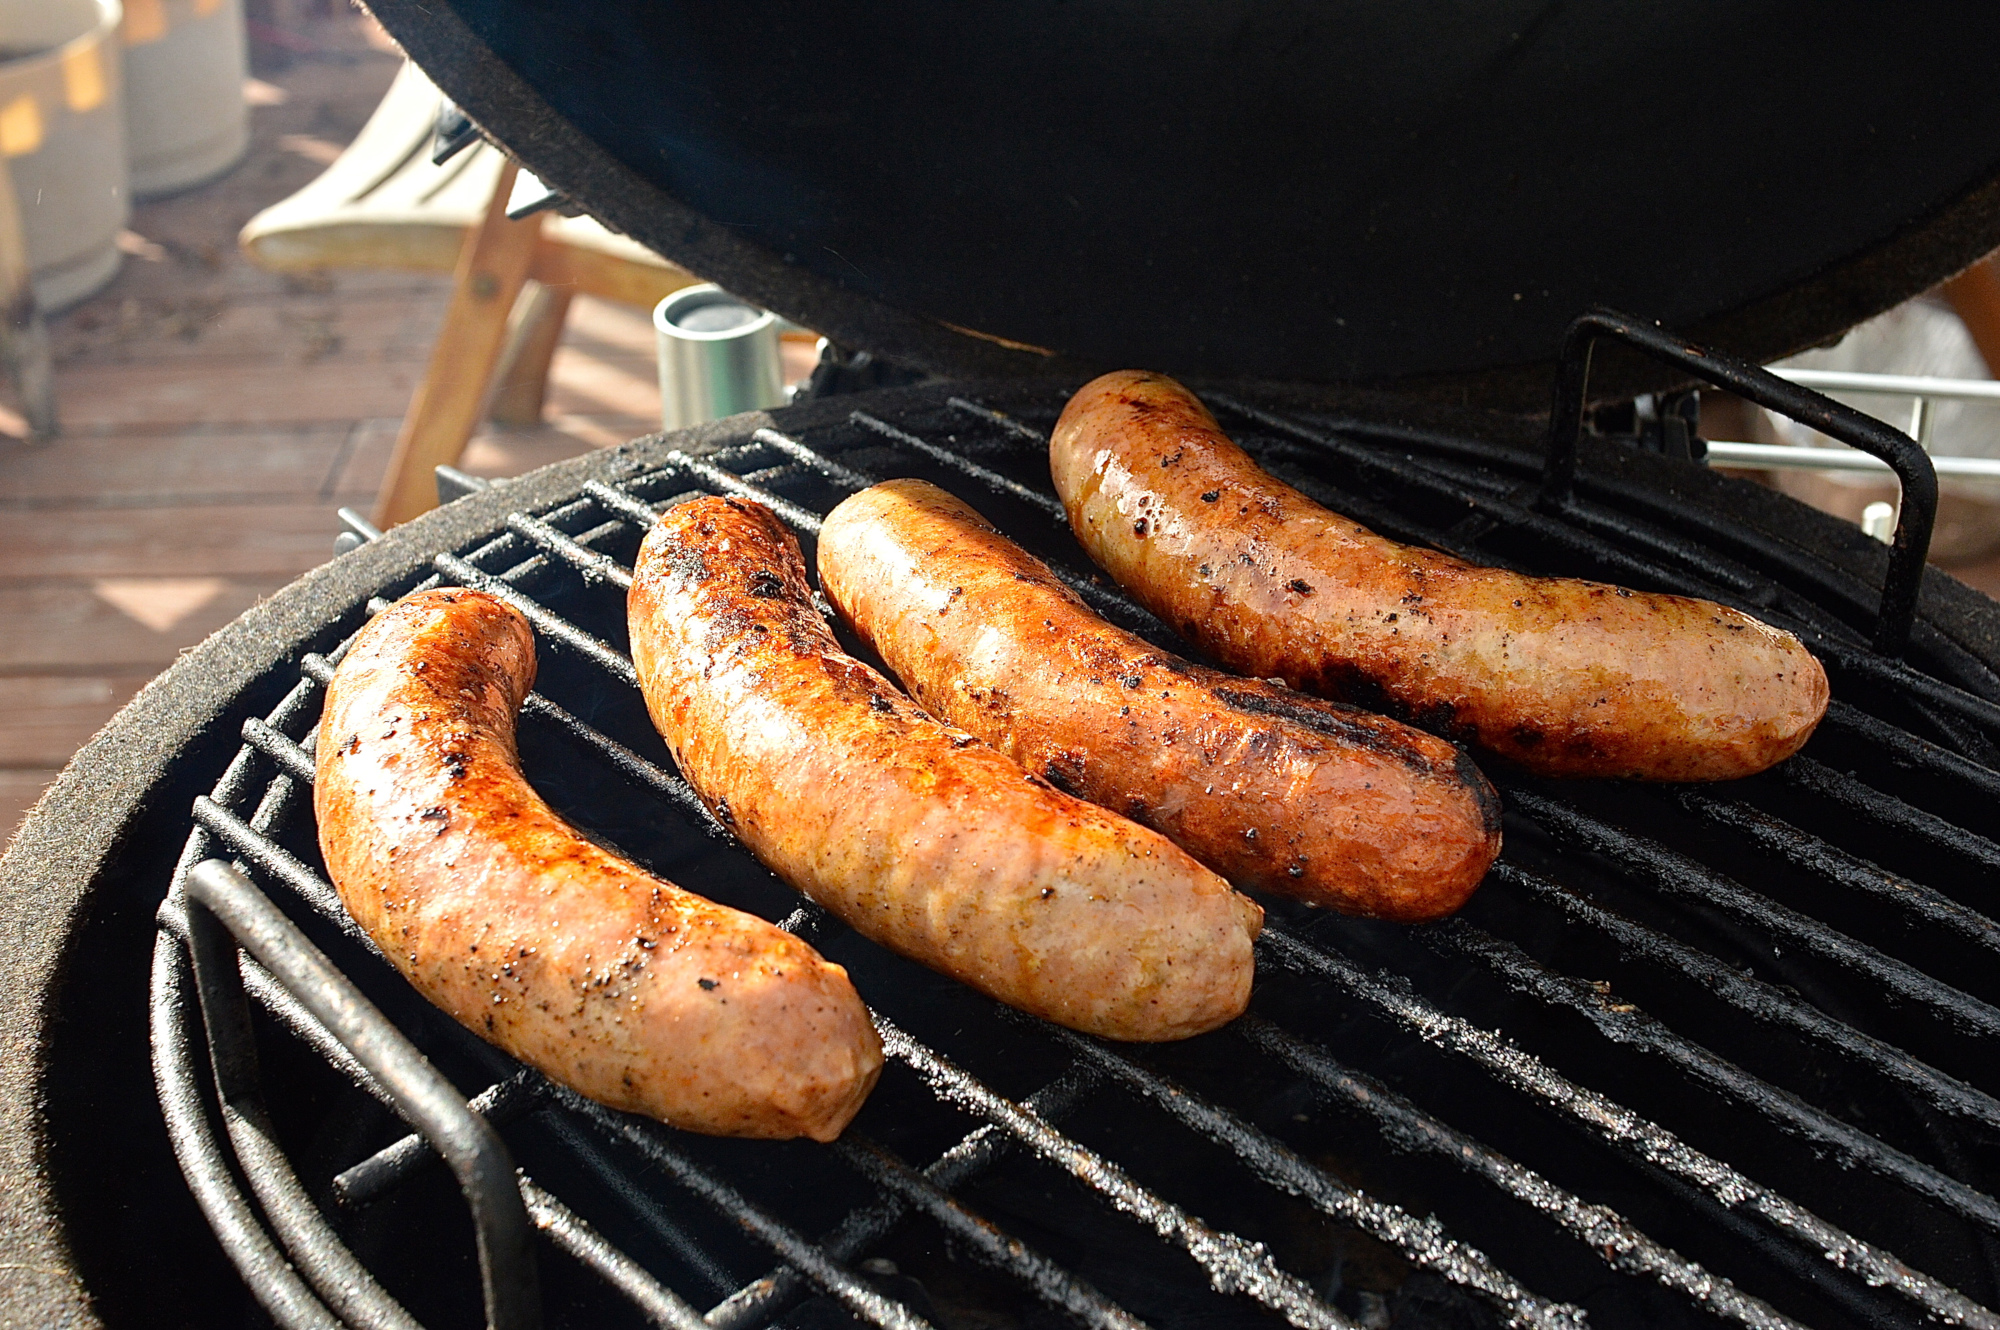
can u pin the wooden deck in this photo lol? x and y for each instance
(216, 415)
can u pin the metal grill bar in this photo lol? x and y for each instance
(1233, 1265)
(1423, 1240)
(764, 1299)
(1833, 864)
(660, 1304)
(999, 419)
(594, 566)
(634, 510)
(342, 1281)
(728, 482)
(1624, 1023)
(1643, 1140)
(993, 480)
(392, 1165)
(272, 1277)
(1676, 874)
(279, 862)
(1055, 1284)
(558, 629)
(618, 1180)
(799, 1252)
(844, 476)
(1621, 1245)
(1908, 751)
(1887, 811)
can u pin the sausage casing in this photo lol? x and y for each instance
(1270, 787)
(913, 831)
(1563, 677)
(625, 988)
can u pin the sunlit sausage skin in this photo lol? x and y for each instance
(622, 986)
(1563, 677)
(1270, 787)
(913, 831)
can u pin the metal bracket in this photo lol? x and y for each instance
(453, 133)
(454, 484)
(530, 196)
(1911, 464)
(225, 910)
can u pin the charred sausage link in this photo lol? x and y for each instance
(1270, 787)
(622, 986)
(1564, 677)
(917, 834)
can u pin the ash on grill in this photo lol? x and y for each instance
(1744, 1064)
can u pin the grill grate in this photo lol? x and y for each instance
(1621, 1149)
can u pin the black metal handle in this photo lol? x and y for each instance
(1917, 513)
(219, 897)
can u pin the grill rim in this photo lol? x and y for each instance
(59, 864)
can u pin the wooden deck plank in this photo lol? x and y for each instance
(129, 624)
(590, 383)
(494, 451)
(96, 398)
(276, 328)
(204, 540)
(57, 714)
(190, 464)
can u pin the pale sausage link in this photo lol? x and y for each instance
(622, 986)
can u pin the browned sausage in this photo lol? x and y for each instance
(1273, 788)
(623, 987)
(917, 834)
(1564, 677)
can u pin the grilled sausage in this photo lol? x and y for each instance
(917, 834)
(1563, 677)
(623, 987)
(1272, 788)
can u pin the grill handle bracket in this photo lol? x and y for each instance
(226, 910)
(1912, 465)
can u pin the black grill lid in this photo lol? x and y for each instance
(1312, 192)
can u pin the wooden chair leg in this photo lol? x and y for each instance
(1975, 294)
(491, 270)
(24, 341)
(531, 345)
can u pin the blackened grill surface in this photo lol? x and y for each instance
(1688, 1054)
